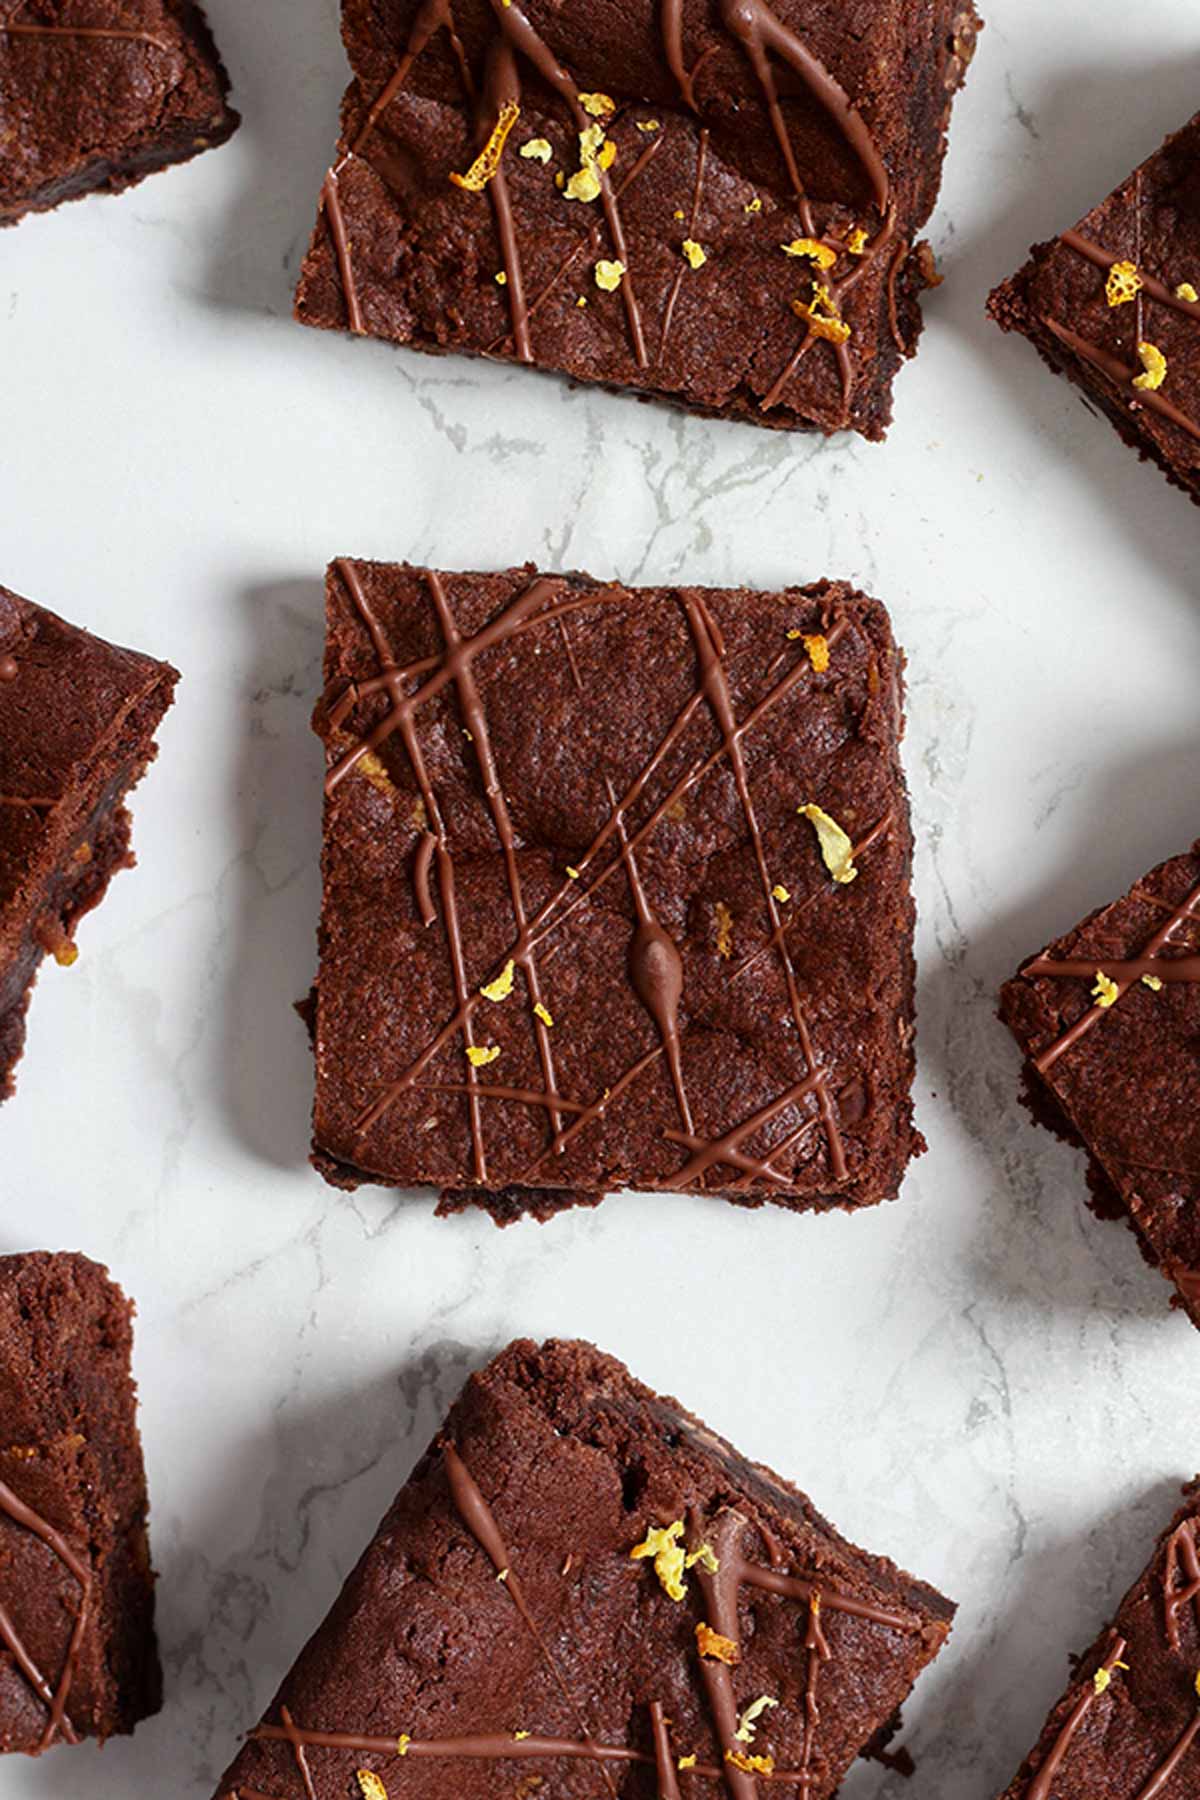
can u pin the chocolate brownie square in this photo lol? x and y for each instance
(715, 205)
(1109, 1018)
(583, 1590)
(1127, 1726)
(77, 723)
(616, 892)
(1114, 304)
(98, 94)
(77, 1652)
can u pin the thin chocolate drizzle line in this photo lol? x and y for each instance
(1151, 952)
(502, 86)
(837, 291)
(87, 31)
(1171, 1762)
(458, 658)
(1122, 377)
(595, 1111)
(481, 1522)
(781, 1149)
(585, 246)
(720, 1591)
(1041, 1785)
(341, 248)
(523, 1096)
(523, 38)
(893, 274)
(816, 1646)
(426, 847)
(759, 31)
(664, 1761)
(693, 226)
(725, 1149)
(715, 685)
(549, 917)
(1103, 259)
(1165, 968)
(672, 35)
(301, 1758)
(55, 1700)
(34, 803)
(655, 970)
(400, 711)
(1181, 1548)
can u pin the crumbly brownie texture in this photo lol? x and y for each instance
(1114, 304)
(1109, 1019)
(1127, 1727)
(582, 1586)
(633, 233)
(77, 719)
(77, 1651)
(97, 94)
(576, 933)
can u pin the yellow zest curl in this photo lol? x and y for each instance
(543, 1014)
(818, 651)
(1123, 285)
(821, 315)
(1154, 367)
(1106, 992)
(487, 163)
(502, 987)
(751, 1765)
(1153, 982)
(685, 1762)
(609, 275)
(370, 1786)
(856, 243)
(648, 125)
(1185, 291)
(479, 1057)
(662, 1543)
(753, 206)
(820, 253)
(746, 1726)
(717, 1648)
(536, 150)
(692, 251)
(402, 1743)
(780, 893)
(599, 105)
(836, 847)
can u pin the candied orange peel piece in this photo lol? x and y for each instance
(487, 163)
(816, 251)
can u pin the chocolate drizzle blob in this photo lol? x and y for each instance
(655, 968)
(768, 45)
(725, 1570)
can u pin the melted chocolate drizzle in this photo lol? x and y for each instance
(1126, 973)
(117, 33)
(55, 1699)
(655, 968)
(1042, 1784)
(1122, 375)
(720, 1593)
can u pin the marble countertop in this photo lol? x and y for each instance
(979, 1380)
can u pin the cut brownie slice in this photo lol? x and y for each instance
(97, 94)
(582, 1586)
(1128, 1725)
(77, 1651)
(1109, 1018)
(724, 217)
(616, 892)
(77, 720)
(1114, 304)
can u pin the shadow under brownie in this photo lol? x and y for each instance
(616, 892)
(77, 1649)
(583, 1590)
(714, 203)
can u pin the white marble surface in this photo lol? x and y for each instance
(980, 1380)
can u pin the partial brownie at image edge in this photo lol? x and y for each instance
(579, 1572)
(717, 207)
(1114, 305)
(78, 1657)
(77, 723)
(98, 97)
(1127, 1726)
(1108, 1017)
(616, 892)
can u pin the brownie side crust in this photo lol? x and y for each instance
(732, 131)
(97, 97)
(578, 933)
(77, 722)
(79, 1657)
(1128, 1725)
(1089, 326)
(500, 1634)
(1108, 1018)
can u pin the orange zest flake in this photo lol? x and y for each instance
(751, 1765)
(837, 850)
(520, 1736)
(670, 1559)
(536, 150)
(724, 930)
(479, 1057)
(818, 651)
(369, 1785)
(609, 275)
(780, 893)
(694, 253)
(685, 1762)
(1153, 982)
(544, 1014)
(1185, 291)
(856, 243)
(1123, 285)
(819, 253)
(502, 987)
(1106, 992)
(821, 315)
(487, 163)
(710, 1643)
(753, 206)
(598, 105)
(1154, 368)
(649, 125)
(402, 1743)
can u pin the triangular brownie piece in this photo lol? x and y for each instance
(582, 1590)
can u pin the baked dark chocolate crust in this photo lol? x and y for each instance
(77, 722)
(78, 1657)
(98, 94)
(725, 217)
(1109, 1019)
(1127, 276)
(578, 931)
(582, 1586)
(1127, 1727)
